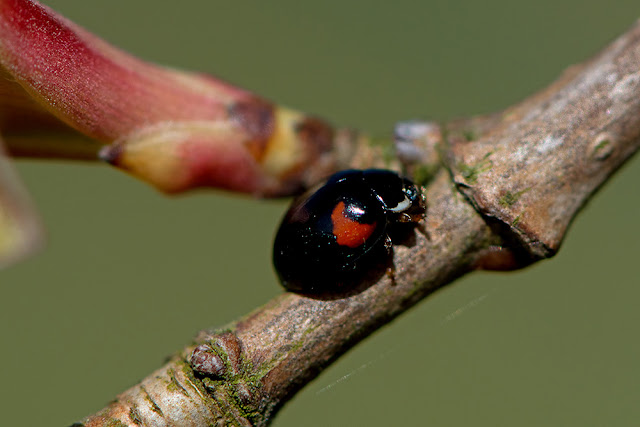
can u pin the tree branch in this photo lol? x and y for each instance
(511, 185)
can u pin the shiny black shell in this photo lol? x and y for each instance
(332, 235)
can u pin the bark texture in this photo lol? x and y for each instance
(501, 195)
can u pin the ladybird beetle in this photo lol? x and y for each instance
(334, 233)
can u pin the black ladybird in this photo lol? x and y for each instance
(332, 234)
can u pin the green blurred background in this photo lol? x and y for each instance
(129, 276)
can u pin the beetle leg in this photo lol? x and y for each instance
(391, 274)
(388, 244)
(422, 229)
(404, 217)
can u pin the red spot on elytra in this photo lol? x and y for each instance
(349, 232)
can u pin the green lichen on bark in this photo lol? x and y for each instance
(470, 173)
(511, 198)
(134, 416)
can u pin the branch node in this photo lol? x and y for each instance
(417, 148)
